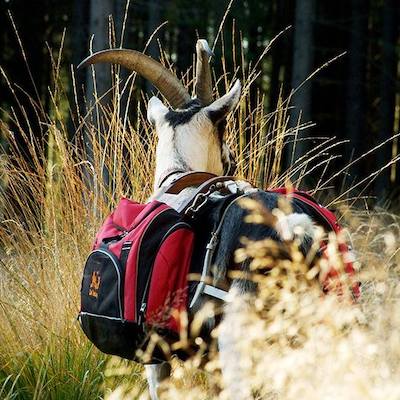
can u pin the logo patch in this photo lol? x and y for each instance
(95, 284)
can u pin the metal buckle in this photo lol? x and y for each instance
(199, 201)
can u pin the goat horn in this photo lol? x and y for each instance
(150, 69)
(203, 73)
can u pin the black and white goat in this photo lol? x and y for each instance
(191, 138)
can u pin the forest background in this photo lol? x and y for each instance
(323, 72)
(355, 98)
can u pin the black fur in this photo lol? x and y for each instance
(221, 128)
(218, 115)
(180, 117)
(233, 229)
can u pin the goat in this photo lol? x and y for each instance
(191, 138)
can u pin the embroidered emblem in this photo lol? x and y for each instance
(95, 284)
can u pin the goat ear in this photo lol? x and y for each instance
(155, 109)
(220, 108)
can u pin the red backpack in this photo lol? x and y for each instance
(136, 277)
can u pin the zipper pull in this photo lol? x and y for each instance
(141, 312)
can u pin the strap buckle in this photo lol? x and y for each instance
(199, 201)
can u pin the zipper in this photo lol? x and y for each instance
(137, 257)
(119, 227)
(143, 301)
(149, 211)
(141, 313)
(117, 269)
(98, 316)
(125, 231)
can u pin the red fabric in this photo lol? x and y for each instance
(126, 216)
(119, 220)
(135, 236)
(168, 288)
(126, 212)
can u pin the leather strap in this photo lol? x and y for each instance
(188, 179)
(168, 174)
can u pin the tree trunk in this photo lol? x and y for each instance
(98, 27)
(186, 40)
(280, 53)
(303, 51)
(153, 21)
(388, 83)
(79, 35)
(356, 91)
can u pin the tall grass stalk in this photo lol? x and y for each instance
(54, 198)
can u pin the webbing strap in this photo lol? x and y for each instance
(211, 246)
(215, 292)
(126, 247)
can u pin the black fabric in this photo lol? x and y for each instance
(120, 338)
(311, 211)
(101, 285)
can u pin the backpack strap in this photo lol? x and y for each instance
(203, 286)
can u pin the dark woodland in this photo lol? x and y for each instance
(355, 98)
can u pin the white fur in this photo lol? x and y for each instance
(295, 226)
(196, 146)
(155, 110)
(195, 143)
(231, 354)
(152, 372)
(199, 145)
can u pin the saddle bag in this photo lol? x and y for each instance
(135, 278)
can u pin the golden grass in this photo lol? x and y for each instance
(293, 343)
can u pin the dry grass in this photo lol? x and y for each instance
(293, 343)
(290, 342)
